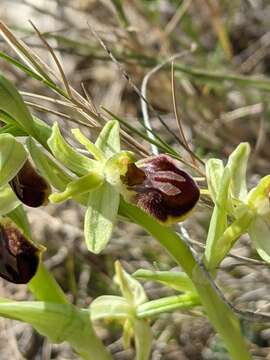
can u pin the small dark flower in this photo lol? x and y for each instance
(161, 188)
(31, 188)
(19, 257)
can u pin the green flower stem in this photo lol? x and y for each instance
(221, 316)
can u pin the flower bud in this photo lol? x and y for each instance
(159, 186)
(31, 188)
(19, 257)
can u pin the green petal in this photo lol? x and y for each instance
(92, 148)
(12, 158)
(69, 157)
(110, 307)
(108, 140)
(100, 217)
(83, 185)
(131, 289)
(259, 232)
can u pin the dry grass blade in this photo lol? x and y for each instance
(57, 62)
(27, 55)
(134, 87)
(178, 117)
(91, 102)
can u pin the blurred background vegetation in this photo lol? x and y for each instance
(222, 91)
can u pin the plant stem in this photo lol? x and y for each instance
(221, 316)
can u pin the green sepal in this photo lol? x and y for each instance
(84, 184)
(108, 140)
(13, 105)
(110, 307)
(176, 280)
(167, 304)
(92, 148)
(131, 289)
(259, 232)
(258, 197)
(63, 152)
(218, 222)
(237, 163)
(214, 171)
(48, 168)
(143, 339)
(100, 217)
(8, 200)
(12, 158)
(224, 244)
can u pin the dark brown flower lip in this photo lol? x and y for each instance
(19, 257)
(30, 187)
(162, 188)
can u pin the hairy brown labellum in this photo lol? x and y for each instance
(19, 257)
(161, 188)
(31, 188)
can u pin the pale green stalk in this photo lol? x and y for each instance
(220, 315)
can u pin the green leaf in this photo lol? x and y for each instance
(237, 163)
(51, 171)
(108, 140)
(92, 148)
(259, 232)
(176, 280)
(8, 200)
(12, 129)
(214, 172)
(110, 307)
(12, 158)
(84, 184)
(131, 289)
(69, 157)
(218, 222)
(100, 217)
